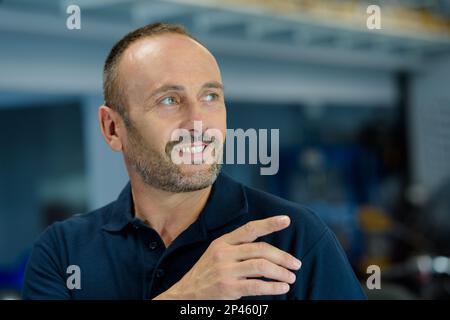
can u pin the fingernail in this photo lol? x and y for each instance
(297, 263)
(283, 219)
(292, 277)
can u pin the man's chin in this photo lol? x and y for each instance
(195, 177)
(191, 169)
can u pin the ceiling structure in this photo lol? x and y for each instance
(322, 32)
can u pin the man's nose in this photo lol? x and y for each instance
(195, 115)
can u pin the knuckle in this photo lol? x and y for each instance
(218, 255)
(250, 228)
(262, 246)
(246, 249)
(259, 265)
(215, 243)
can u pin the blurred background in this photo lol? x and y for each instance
(364, 119)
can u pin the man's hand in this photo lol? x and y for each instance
(225, 270)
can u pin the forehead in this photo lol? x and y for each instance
(167, 58)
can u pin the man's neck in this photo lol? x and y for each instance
(166, 212)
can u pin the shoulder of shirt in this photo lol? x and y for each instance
(78, 225)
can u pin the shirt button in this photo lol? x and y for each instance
(159, 273)
(152, 245)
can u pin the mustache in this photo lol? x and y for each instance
(193, 138)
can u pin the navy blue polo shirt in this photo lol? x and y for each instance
(117, 256)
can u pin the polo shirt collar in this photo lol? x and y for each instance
(122, 212)
(226, 202)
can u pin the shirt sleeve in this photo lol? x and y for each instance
(326, 273)
(44, 277)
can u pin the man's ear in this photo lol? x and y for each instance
(109, 124)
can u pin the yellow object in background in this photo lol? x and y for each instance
(374, 220)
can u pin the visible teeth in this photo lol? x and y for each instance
(195, 149)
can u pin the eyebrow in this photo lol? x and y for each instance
(172, 87)
(213, 85)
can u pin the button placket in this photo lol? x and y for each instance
(153, 245)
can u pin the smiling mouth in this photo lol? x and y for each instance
(193, 148)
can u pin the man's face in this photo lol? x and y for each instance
(171, 81)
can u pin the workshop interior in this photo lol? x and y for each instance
(359, 90)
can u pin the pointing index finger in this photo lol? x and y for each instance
(252, 230)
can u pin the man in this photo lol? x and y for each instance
(181, 230)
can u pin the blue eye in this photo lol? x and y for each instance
(211, 97)
(169, 101)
